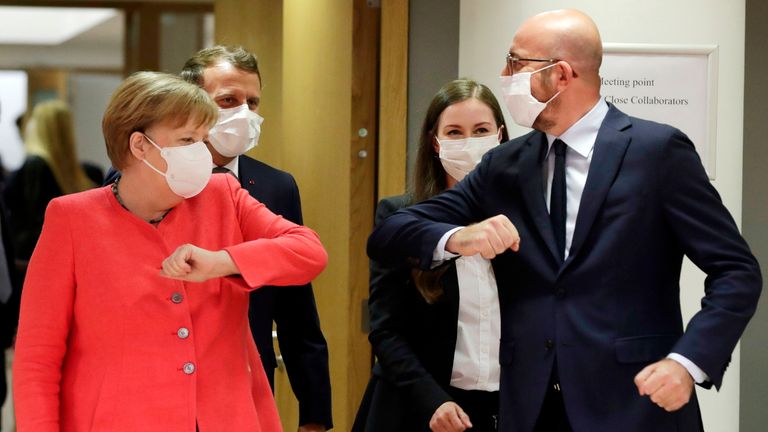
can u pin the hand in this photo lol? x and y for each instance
(312, 427)
(489, 238)
(449, 417)
(193, 264)
(667, 383)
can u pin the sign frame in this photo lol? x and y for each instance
(710, 53)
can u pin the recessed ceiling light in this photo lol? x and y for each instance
(47, 25)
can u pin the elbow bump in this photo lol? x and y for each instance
(322, 260)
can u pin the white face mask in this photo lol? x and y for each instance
(521, 104)
(189, 167)
(236, 132)
(460, 156)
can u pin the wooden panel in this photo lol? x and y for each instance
(393, 124)
(257, 25)
(320, 64)
(142, 40)
(364, 134)
(317, 54)
(43, 84)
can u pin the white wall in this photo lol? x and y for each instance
(13, 102)
(486, 30)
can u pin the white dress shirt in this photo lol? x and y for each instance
(580, 141)
(476, 356)
(232, 166)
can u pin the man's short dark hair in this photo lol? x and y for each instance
(237, 56)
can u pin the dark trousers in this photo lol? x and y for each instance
(482, 407)
(552, 417)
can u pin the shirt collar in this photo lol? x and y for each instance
(581, 136)
(232, 166)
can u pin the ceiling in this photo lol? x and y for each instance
(87, 44)
(48, 26)
(61, 38)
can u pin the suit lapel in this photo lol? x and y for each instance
(610, 147)
(244, 175)
(532, 185)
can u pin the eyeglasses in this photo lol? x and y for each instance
(513, 62)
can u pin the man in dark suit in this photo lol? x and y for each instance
(599, 209)
(231, 77)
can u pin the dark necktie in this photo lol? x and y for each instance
(223, 170)
(557, 213)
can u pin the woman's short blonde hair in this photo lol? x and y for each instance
(145, 99)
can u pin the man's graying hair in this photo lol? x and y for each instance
(237, 56)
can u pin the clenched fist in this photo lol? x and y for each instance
(449, 417)
(193, 264)
(488, 238)
(667, 383)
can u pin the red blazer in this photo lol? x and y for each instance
(107, 344)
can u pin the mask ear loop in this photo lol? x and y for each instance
(151, 142)
(146, 162)
(436, 146)
(545, 68)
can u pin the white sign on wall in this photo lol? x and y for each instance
(675, 85)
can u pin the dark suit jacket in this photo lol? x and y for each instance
(414, 342)
(293, 310)
(613, 306)
(27, 194)
(9, 311)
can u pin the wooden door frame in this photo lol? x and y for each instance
(393, 102)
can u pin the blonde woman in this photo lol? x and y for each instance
(134, 315)
(51, 169)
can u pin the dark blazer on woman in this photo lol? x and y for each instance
(27, 194)
(414, 342)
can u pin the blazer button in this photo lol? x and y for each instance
(189, 368)
(560, 292)
(183, 333)
(177, 298)
(549, 344)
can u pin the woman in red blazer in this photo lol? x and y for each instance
(134, 311)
